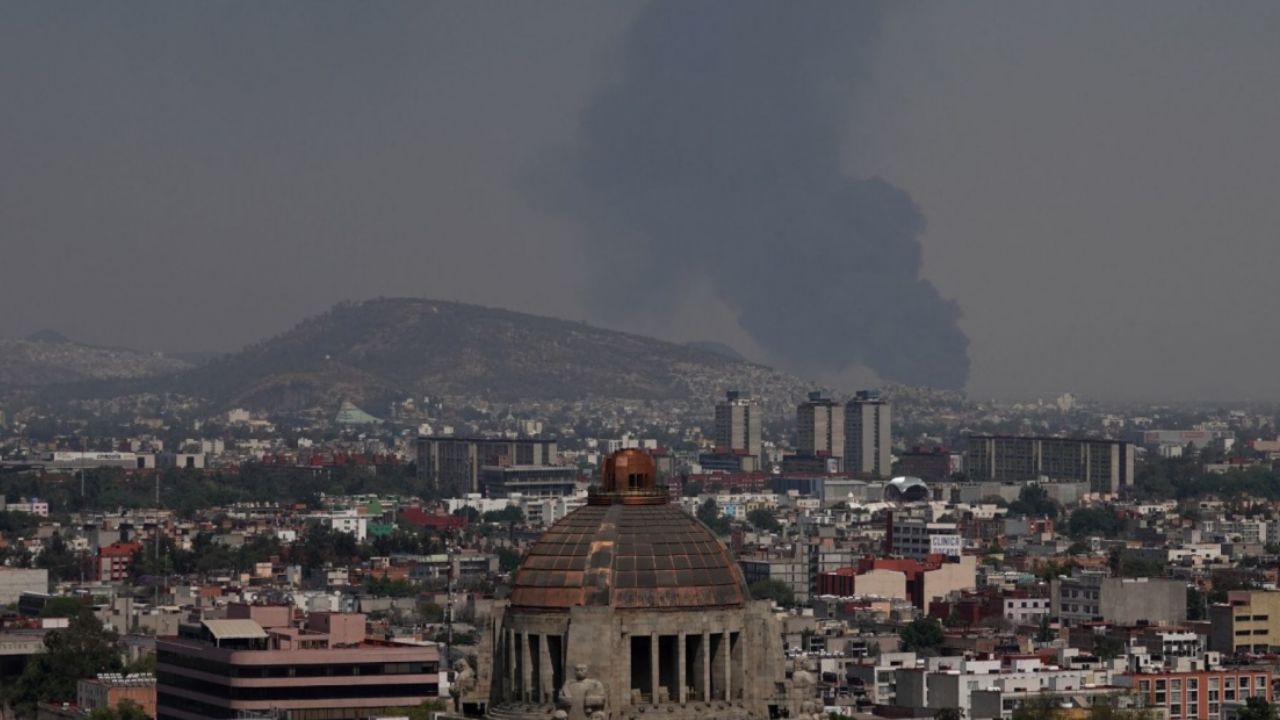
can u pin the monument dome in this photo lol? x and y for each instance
(628, 605)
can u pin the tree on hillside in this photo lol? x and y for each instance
(922, 635)
(709, 514)
(763, 519)
(1087, 521)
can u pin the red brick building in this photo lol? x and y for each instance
(1201, 695)
(114, 561)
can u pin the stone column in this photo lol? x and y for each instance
(526, 667)
(681, 691)
(727, 650)
(545, 673)
(654, 676)
(704, 692)
(509, 657)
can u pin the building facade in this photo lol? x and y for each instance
(1106, 466)
(528, 481)
(259, 662)
(868, 445)
(820, 428)
(1203, 694)
(1123, 601)
(738, 421)
(1249, 622)
(449, 465)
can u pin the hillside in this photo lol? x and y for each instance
(386, 349)
(48, 358)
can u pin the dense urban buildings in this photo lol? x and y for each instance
(680, 575)
(1104, 466)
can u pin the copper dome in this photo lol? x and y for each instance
(628, 548)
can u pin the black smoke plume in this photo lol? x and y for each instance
(716, 157)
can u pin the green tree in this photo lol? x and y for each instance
(60, 560)
(1037, 708)
(1034, 501)
(1107, 648)
(125, 710)
(1044, 633)
(948, 713)
(509, 516)
(323, 546)
(430, 612)
(427, 709)
(922, 635)
(508, 559)
(775, 590)
(1257, 708)
(1093, 521)
(1079, 547)
(709, 514)
(764, 520)
(82, 649)
(64, 606)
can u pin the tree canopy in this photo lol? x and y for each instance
(709, 514)
(922, 635)
(775, 590)
(763, 519)
(1034, 501)
(82, 649)
(1087, 521)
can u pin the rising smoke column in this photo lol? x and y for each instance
(715, 157)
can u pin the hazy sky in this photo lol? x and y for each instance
(1100, 181)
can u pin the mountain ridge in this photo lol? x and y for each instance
(374, 351)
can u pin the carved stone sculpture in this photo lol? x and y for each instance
(584, 697)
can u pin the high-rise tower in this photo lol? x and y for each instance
(868, 445)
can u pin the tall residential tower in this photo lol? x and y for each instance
(867, 442)
(738, 424)
(819, 427)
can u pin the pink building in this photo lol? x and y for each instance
(260, 660)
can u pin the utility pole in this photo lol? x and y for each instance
(448, 613)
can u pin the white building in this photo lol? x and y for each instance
(1025, 611)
